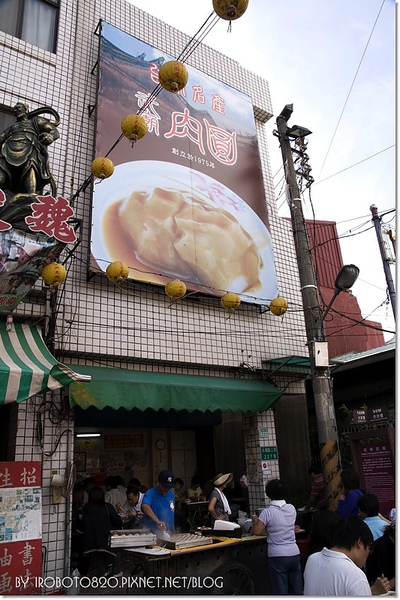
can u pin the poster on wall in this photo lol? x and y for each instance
(22, 258)
(20, 528)
(377, 471)
(187, 200)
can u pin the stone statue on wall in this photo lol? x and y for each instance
(24, 159)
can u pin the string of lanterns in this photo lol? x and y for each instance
(117, 272)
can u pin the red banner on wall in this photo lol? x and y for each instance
(20, 528)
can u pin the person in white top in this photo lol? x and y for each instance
(278, 521)
(112, 495)
(131, 511)
(338, 571)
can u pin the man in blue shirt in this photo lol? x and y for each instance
(368, 506)
(158, 505)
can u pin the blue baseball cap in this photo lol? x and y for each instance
(166, 479)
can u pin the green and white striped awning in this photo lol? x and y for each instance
(27, 367)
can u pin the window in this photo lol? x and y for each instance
(6, 117)
(34, 21)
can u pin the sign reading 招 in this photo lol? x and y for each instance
(188, 200)
(20, 528)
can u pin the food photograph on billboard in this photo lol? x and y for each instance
(186, 200)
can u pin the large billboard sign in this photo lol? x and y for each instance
(186, 201)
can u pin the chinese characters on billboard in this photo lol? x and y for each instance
(187, 201)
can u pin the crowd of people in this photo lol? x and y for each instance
(96, 510)
(163, 509)
(351, 552)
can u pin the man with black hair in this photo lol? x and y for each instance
(338, 571)
(383, 558)
(158, 505)
(368, 505)
(277, 520)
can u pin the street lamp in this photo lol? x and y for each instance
(297, 131)
(345, 279)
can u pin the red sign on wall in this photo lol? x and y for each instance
(20, 528)
(20, 567)
(377, 472)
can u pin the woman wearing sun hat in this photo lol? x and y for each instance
(218, 505)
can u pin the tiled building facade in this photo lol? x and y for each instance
(134, 326)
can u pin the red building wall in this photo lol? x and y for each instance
(343, 334)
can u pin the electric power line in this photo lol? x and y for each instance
(355, 164)
(352, 85)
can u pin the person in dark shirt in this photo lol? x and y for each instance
(348, 502)
(234, 494)
(321, 531)
(382, 560)
(98, 518)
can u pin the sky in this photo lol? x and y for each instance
(335, 62)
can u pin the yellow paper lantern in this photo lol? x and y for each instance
(117, 271)
(134, 127)
(175, 289)
(230, 301)
(102, 167)
(230, 9)
(173, 76)
(278, 306)
(54, 274)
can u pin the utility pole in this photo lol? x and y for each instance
(385, 258)
(316, 340)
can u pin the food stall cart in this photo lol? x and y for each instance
(202, 565)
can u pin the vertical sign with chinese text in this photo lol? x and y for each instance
(20, 527)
